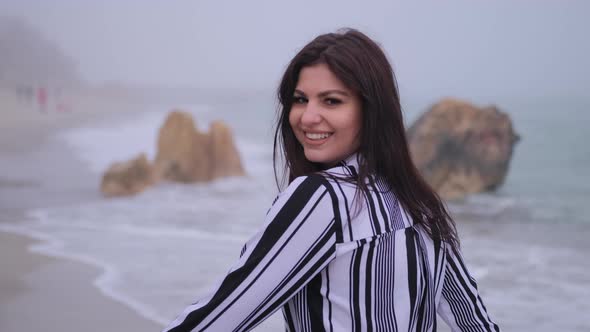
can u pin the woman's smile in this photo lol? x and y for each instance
(317, 136)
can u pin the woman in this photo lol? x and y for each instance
(357, 241)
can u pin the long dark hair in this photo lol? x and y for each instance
(363, 67)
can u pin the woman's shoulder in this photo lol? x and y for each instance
(324, 184)
(302, 191)
(309, 182)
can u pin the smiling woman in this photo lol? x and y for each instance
(326, 116)
(357, 241)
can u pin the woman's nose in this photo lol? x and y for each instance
(311, 114)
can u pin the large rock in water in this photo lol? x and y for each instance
(187, 155)
(183, 152)
(127, 178)
(461, 149)
(184, 155)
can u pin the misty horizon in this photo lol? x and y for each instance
(471, 50)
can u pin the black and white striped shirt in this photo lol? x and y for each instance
(330, 269)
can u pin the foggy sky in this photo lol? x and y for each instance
(460, 48)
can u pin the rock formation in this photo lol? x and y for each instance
(127, 178)
(183, 152)
(461, 149)
(187, 155)
(224, 155)
(183, 155)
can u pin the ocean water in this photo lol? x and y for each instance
(163, 249)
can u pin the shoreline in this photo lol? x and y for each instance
(43, 292)
(49, 247)
(41, 288)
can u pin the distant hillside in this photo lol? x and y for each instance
(26, 57)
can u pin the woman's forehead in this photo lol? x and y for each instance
(318, 79)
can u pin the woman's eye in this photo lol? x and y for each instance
(332, 101)
(299, 100)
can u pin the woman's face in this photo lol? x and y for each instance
(325, 116)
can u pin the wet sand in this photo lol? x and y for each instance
(38, 292)
(41, 293)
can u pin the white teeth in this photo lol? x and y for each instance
(317, 135)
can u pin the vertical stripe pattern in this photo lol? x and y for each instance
(330, 267)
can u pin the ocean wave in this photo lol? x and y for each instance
(483, 204)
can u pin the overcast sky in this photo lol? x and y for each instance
(461, 48)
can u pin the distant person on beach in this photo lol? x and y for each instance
(29, 93)
(42, 99)
(24, 94)
(357, 241)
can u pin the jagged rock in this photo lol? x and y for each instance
(224, 155)
(461, 149)
(184, 155)
(183, 152)
(127, 178)
(187, 155)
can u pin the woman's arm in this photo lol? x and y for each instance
(460, 305)
(296, 243)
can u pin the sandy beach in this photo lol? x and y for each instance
(41, 293)
(38, 292)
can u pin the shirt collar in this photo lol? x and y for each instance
(352, 160)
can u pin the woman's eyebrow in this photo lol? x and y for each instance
(340, 92)
(325, 93)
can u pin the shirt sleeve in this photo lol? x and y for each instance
(461, 306)
(297, 241)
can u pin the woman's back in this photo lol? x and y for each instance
(332, 268)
